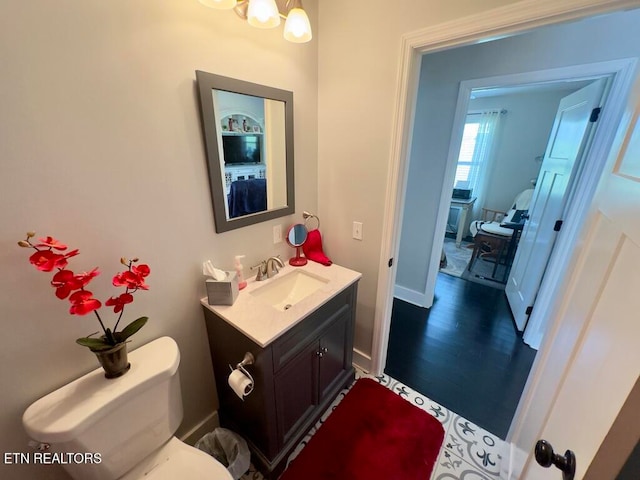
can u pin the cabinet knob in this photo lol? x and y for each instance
(320, 353)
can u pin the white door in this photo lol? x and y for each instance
(600, 309)
(569, 135)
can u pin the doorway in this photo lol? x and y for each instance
(465, 348)
(527, 176)
(505, 133)
(586, 193)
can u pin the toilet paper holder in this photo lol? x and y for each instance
(248, 359)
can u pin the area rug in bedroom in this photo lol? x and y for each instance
(457, 258)
(482, 272)
(372, 434)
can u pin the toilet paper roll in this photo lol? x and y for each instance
(240, 383)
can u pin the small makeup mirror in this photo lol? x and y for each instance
(296, 236)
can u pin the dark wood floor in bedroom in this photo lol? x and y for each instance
(464, 352)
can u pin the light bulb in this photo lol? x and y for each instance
(263, 14)
(297, 28)
(219, 4)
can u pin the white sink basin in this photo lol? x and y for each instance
(284, 292)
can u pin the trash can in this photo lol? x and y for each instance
(229, 448)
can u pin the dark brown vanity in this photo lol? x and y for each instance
(297, 375)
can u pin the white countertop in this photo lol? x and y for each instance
(262, 322)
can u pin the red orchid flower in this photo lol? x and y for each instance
(85, 277)
(131, 280)
(47, 260)
(142, 270)
(119, 302)
(65, 281)
(51, 255)
(51, 243)
(82, 302)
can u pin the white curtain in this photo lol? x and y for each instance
(476, 153)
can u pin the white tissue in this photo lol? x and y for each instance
(240, 383)
(210, 271)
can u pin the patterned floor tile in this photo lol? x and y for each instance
(443, 415)
(461, 475)
(475, 446)
(468, 452)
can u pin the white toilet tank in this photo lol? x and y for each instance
(112, 423)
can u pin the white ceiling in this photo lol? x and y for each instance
(566, 85)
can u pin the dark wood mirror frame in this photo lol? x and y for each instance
(207, 82)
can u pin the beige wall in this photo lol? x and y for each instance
(101, 146)
(359, 55)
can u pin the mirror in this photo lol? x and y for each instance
(296, 236)
(248, 135)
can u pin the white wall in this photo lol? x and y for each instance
(230, 103)
(524, 131)
(603, 38)
(359, 52)
(101, 146)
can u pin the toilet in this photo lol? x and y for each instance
(122, 428)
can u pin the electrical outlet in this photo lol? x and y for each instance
(357, 230)
(277, 234)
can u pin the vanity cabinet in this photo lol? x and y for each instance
(297, 376)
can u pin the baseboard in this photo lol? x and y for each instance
(411, 296)
(505, 463)
(206, 425)
(512, 463)
(361, 360)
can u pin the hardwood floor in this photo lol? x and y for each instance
(464, 352)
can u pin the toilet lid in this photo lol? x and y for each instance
(189, 465)
(177, 460)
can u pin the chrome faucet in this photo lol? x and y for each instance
(268, 268)
(272, 266)
(262, 270)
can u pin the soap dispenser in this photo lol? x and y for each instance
(241, 281)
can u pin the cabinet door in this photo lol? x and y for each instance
(296, 391)
(333, 359)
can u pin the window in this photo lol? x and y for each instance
(475, 150)
(466, 171)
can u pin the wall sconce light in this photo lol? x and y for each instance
(266, 14)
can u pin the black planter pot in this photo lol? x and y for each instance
(114, 361)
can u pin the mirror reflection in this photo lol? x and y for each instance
(297, 235)
(248, 131)
(253, 156)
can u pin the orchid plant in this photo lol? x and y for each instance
(52, 255)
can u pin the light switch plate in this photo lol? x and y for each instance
(357, 230)
(277, 234)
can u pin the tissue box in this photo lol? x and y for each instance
(222, 292)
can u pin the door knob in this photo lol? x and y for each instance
(546, 457)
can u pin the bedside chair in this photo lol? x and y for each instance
(493, 234)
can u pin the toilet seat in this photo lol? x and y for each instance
(176, 459)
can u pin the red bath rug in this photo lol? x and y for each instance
(372, 434)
